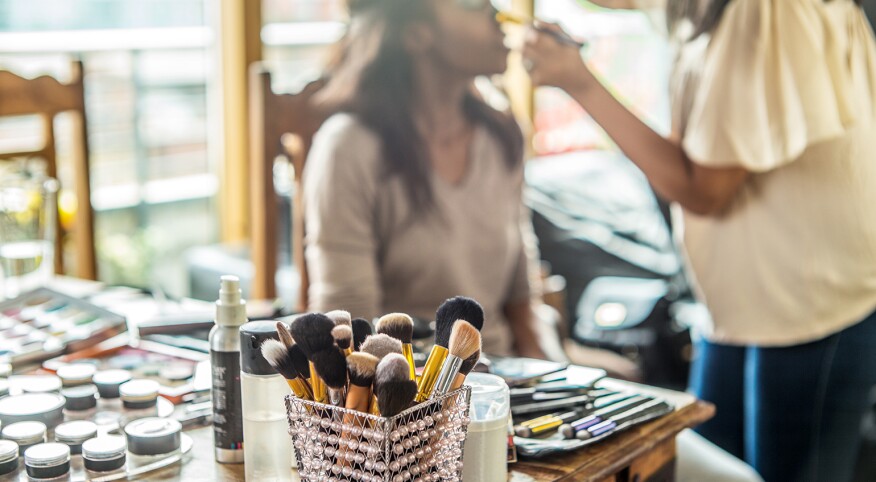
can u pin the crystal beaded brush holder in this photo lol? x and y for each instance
(422, 444)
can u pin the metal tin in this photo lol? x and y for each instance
(109, 381)
(76, 374)
(47, 408)
(138, 394)
(25, 434)
(80, 398)
(74, 434)
(104, 454)
(153, 436)
(8, 456)
(47, 461)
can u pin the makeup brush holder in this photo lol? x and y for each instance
(422, 444)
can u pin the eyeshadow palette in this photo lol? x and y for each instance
(43, 323)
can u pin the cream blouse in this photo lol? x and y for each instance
(784, 89)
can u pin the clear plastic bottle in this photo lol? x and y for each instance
(267, 444)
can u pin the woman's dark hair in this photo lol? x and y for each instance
(703, 14)
(371, 76)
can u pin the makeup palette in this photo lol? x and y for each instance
(43, 323)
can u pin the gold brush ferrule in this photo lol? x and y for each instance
(374, 409)
(408, 352)
(347, 351)
(430, 372)
(320, 392)
(300, 388)
(545, 426)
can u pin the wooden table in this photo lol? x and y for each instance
(643, 453)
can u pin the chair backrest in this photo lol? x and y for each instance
(46, 98)
(281, 125)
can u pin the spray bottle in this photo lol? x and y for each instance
(225, 362)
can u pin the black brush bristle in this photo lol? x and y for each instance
(397, 325)
(361, 368)
(331, 366)
(361, 330)
(313, 333)
(277, 355)
(394, 390)
(343, 335)
(299, 361)
(456, 308)
(469, 363)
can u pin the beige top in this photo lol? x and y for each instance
(785, 89)
(365, 257)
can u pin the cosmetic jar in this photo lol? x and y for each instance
(4, 387)
(153, 436)
(25, 434)
(485, 456)
(74, 434)
(139, 394)
(47, 408)
(8, 456)
(80, 398)
(47, 461)
(104, 454)
(42, 384)
(109, 381)
(76, 374)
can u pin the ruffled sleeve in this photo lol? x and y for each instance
(775, 79)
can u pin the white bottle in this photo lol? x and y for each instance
(225, 364)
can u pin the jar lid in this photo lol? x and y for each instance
(104, 448)
(47, 455)
(76, 373)
(139, 390)
(41, 384)
(30, 405)
(8, 451)
(25, 433)
(75, 432)
(111, 377)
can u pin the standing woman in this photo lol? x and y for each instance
(773, 164)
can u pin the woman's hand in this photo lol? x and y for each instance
(553, 63)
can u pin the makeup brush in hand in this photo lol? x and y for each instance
(277, 355)
(465, 341)
(343, 336)
(361, 330)
(401, 327)
(328, 365)
(394, 389)
(340, 317)
(458, 308)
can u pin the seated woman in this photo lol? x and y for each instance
(412, 191)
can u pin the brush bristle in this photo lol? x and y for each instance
(469, 363)
(285, 336)
(361, 330)
(277, 355)
(458, 308)
(299, 361)
(340, 317)
(343, 335)
(393, 387)
(313, 333)
(362, 367)
(465, 340)
(381, 345)
(397, 325)
(331, 366)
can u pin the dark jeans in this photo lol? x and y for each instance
(794, 413)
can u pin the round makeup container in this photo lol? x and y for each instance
(47, 408)
(80, 398)
(76, 374)
(153, 436)
(109, 381)
(4, 387)
(42, 384)
(8, 456)
(25, 434)
(139, 394)
(104, 454)
(47, 461)
(74, 434)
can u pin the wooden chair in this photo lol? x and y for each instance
(281, 125)
(46, 97)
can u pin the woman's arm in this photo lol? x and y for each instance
(702, 190)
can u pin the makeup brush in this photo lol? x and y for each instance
(401, 327)
(340, 317)
(543, 425)
(381, 346)
(458, 308)
(361, 368)
(285, 336)
(394, 389)
(505, 17)
(313, 333)
(361, 330)
(296, 356)
(343, 336)
(278, 357)
(570, 429)
(465, 341)
(331, 365)
(467, 366)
